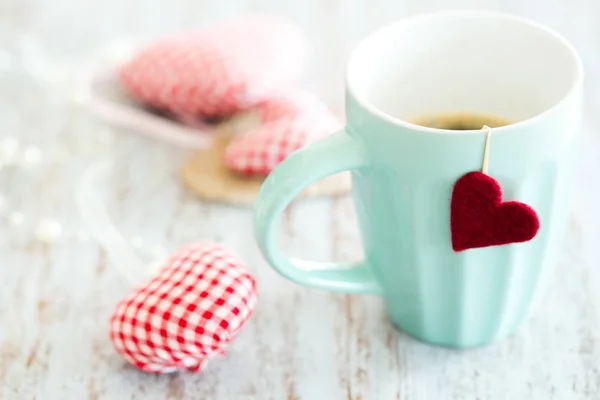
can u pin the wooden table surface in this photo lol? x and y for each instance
(56, 297)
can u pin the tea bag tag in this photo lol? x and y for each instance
(479, 217)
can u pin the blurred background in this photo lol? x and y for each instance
(53, 36)
(58, 288)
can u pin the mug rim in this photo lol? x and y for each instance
(369, 107)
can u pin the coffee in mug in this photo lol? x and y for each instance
(463, 121)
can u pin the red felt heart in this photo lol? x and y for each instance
(479, 218)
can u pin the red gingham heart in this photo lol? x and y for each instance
(216, 72)
(288, 123)
(292, 103)
(192, 309)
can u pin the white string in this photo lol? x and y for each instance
(486, 151)
(98, 222)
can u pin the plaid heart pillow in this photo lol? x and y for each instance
(191, 310)
(288, 123)
(218, 71)
(290, 104)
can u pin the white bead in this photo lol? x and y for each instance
(16, 218)
(31, 156)
(48, 230)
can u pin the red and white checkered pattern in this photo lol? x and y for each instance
(191, 310)
(288, 123)
(292, 103)
(216, 72)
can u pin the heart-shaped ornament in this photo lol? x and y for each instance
(290, 104)
(220, 70)
(187, 313)
(288, 123)
(479, 217)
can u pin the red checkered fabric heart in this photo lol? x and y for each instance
(288, 123)
(290, 104)
(216, 72)
(191, 310)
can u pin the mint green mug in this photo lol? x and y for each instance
(403, 174)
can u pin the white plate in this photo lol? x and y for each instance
(97, 88)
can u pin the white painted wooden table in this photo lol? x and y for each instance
(301, 344)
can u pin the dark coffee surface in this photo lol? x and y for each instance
(460, 121)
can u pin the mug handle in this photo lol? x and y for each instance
(336, 153)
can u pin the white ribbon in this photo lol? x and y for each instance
(97, 220)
